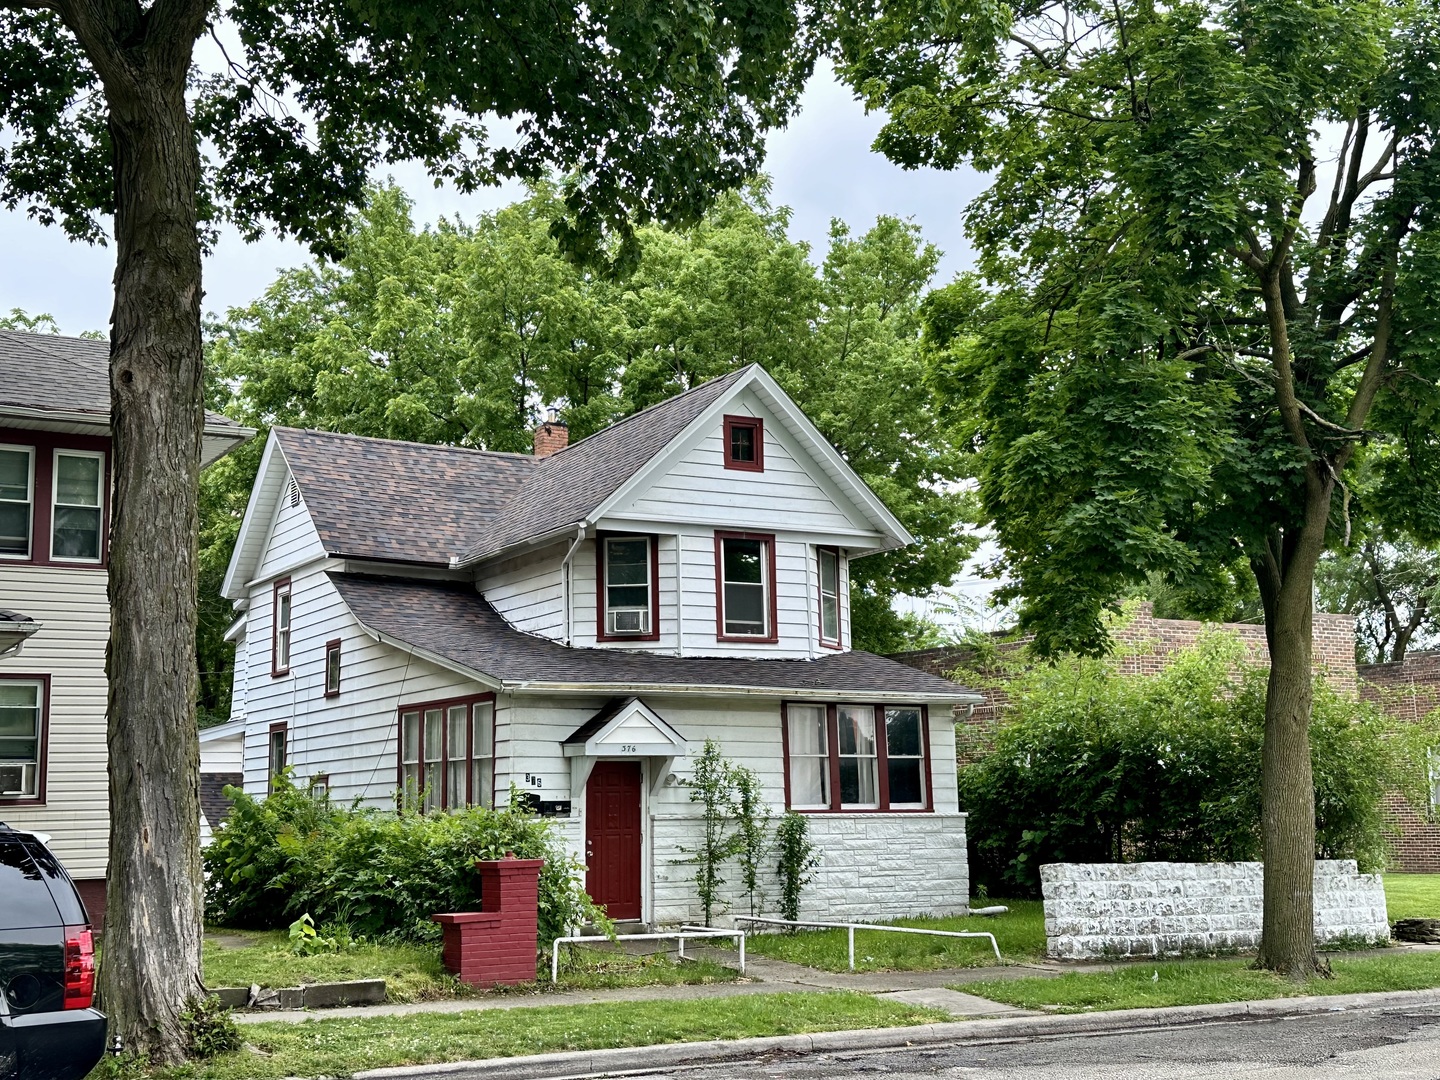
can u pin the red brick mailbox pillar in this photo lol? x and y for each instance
(496, 945)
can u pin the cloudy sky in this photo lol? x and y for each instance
(822, 167)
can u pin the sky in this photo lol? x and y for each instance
(822, 167)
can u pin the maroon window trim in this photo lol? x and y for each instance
(600, 606)
(445, 704)
(43, 765)
(835, 642)
(332, 647)
(772, 602)
(882, 759)
(281, 585)
(270, 771)
(44, 444)
(758, 426)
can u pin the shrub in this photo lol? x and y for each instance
(1089, 765)
(209, 1028)
(379, 873)
(797, 863)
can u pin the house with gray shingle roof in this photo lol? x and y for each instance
(439, 626)
(55, 508)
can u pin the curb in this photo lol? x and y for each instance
(580, 1063)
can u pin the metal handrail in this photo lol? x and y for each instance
(684, 934)
(850, 929)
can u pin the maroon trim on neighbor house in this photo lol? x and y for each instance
(600, 599)
(42, 765)
(772, 602)
(281, 584)
(283, 727)
(835, 642)
(882, 759)
(331, 646)
(758, 426)
(444, 704)
(42, 510)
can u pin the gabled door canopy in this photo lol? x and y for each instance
(625, 728)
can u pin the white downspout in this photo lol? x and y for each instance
(565, 571)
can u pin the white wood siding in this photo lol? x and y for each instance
(585, 585)
(787, 495)
(74, 614)
(529, 591)
(351, 738)
(293, 540)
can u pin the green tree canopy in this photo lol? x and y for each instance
(1208, 254)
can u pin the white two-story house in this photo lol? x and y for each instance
(441, 625)
(55, 491)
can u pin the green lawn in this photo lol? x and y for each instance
(415, 973)
(1412, 895)
(340, 1047)
(1020, 934)
(1197, 982)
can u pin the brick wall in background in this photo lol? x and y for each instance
(1409, 690)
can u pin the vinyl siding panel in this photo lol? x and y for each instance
(293, 540)
(351, 738)
(529, 591)
(74, 613)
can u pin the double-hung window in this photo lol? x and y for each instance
(628, 587)
(22, 738)
(76, 528)
(17, 500)
(280, 612)
(278, 756)
(829, 559)
(745, 594)
(332, 668)
(843, 757)
(447, 754)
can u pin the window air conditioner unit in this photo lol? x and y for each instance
(629, 621)
(14, 779)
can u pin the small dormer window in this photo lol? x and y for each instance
(745, 443)
(829, 596)
(78, 511)
(17, 484)
(745, 597)
(627, 588)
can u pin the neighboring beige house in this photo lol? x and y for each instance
(55, 485)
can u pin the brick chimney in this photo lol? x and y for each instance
(551, 436)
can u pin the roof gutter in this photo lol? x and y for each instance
(465, 561)
(827, 693)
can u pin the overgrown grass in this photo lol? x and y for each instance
(340, 1047)
(1409, 896)
(1020, 933)
(1200, 982)
(415, 973)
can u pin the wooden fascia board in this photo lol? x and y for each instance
(263, 497)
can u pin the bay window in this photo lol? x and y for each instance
(856, 757)
(17, 498)
(745, 587)
(78, 519)
(628, 586)
(22, 738)
(447, 754)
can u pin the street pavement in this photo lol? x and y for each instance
(1400, 1044)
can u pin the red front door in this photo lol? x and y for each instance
(612, 837)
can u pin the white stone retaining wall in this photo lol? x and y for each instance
(1170, 909)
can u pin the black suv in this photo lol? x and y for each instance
(48, 1028)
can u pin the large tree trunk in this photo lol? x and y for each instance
(151, 961)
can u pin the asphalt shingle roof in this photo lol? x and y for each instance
(408, 502)
(414, 502)
(65, 374)
(456, 623)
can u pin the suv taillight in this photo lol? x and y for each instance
(79, 967)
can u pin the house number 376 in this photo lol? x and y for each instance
(628, 748)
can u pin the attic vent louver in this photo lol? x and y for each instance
(293, 494)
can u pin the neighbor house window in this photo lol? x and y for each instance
(17, 499)
(628, 587)
(23, 707)
(278, 756)
(76, 529)
(744, 443)
(745, 587)
(332, 668)
(829, 596)
(447, 754)
(856, 757)
(280, 628)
